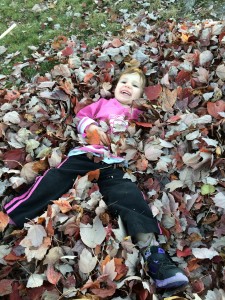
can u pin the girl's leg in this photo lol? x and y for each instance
(53, 184)
(123, 198)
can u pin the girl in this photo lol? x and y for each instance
(122, 196)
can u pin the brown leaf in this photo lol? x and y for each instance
(64, 205)
(193, 264)
(11, 257)
(168, 99)
(142, 164)
(106, 291)
(93, 175)
(88, 77)
(14, 157)
(49, 228)
(4, 221)
(59, 42)
(116, 43)
(12, 95)
(93, 138)
(120, 268)
(144, 124)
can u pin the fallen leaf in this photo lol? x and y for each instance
(207, 189)
(87, 262)
(153, 92)
(35, 280)
(52, 276)
(215, 107)
(6, 287)
(64, 205)
(93, 138)
(204, 253)
(4, 221)
(168, 99)
(36, 234)
(93, 175)
(92, 235)
(183, 77)
(220, 71)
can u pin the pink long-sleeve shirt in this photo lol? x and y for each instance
(112, 112)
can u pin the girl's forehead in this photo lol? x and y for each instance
(132, 76)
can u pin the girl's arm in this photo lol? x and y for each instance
(87, 122)
(87, 115)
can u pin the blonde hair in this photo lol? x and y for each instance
(133, 70)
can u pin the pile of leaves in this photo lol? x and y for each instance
(76, 250)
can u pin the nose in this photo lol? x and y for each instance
(128, 84)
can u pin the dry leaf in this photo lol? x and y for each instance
(4, 221)
(87, 262)
(168, 99)
(92, 235)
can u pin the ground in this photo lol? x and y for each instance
(176, 155)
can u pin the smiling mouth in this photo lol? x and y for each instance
(126, 93)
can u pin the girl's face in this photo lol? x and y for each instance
(129, 88)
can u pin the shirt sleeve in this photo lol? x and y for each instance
(88, 114)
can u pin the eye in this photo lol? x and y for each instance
(135, 85)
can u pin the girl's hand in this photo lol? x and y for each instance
(103, 136)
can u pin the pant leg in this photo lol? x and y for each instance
(123, 198)
(53, 184)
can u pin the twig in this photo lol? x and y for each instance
(7, 30)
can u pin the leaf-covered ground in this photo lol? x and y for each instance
(176, 155)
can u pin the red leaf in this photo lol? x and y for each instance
(173, 119)
(14, 157)
(52, 275)
(88, 77)
(5, 287)
(153, 92)
(215, 107)
(15, 295)
(116, 43)
(198, 286)
(182, 77)
(143, 294)
(67, 51)
(144, 124)
(12, 95)
(221, 36)
(184, 253)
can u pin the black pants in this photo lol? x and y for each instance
(121, 195)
